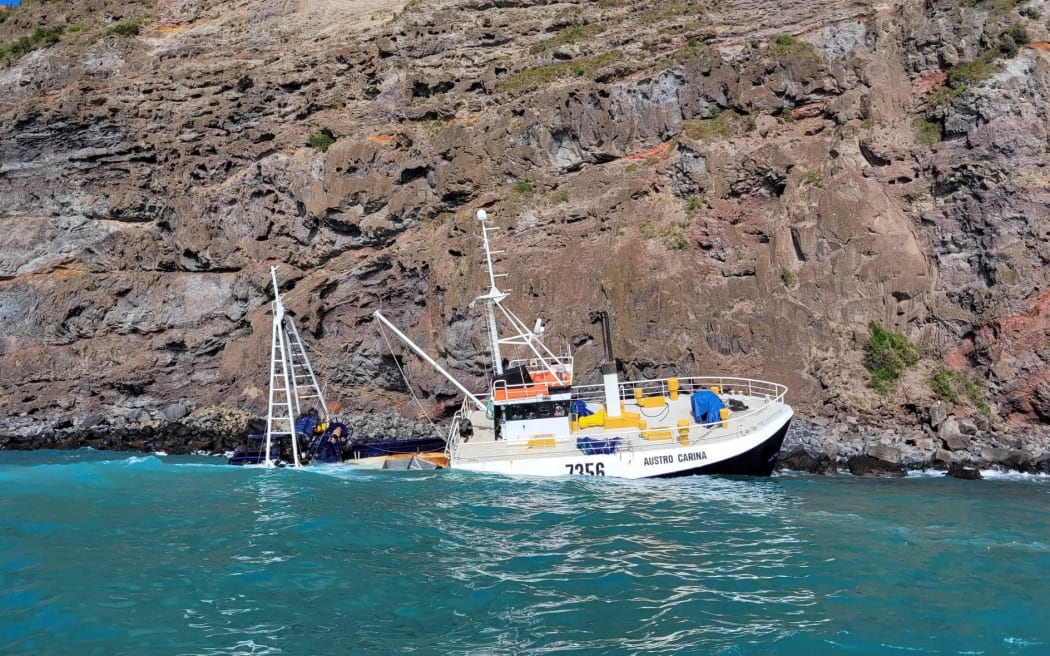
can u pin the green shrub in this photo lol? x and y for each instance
(786, 45)
(886, 355)
(321, 141)
(47, 36)
(944, 96)
(813, 178)
(534, 78)
(1019, 33)
(787, 277)
(523, 186)
(569, 34)
(669, 10)
(968, 73)
(953, 385)
(127, 28)
(677, 242)
(42, 37)
(692, 204)
(672, 236)
(926, 132)
(706, 129)
(942, 382)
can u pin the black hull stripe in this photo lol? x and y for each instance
(758, 461)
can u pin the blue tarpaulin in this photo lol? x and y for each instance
(579, 408)
(306, 425)
(706, 405)
(592, 447)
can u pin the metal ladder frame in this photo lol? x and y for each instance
(292, 379)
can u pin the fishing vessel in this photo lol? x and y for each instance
(301, 427)
(534, 419)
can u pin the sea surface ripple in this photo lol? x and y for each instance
(107, 553)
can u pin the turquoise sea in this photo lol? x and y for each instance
(112, 553)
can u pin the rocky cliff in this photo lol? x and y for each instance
(745, 188)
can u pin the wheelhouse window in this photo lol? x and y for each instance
(542, 410)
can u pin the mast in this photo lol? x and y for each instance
(280, 358)
(521, 336)
(492, 298)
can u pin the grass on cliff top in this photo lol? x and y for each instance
(47, 36)
(570, 34)
(539, 76)
(42, 37)
(886, 355)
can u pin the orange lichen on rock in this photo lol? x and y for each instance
(929, 82)
(170, 29)
(661, 151)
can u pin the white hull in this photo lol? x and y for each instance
(745, 443)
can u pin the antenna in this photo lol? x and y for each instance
(492, 298)
(278, 308)
(494, 293)
(520, 335)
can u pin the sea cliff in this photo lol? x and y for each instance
(745, 191)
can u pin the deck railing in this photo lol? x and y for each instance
(655, 387)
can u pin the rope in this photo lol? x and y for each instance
(407, 383)
(660, 414)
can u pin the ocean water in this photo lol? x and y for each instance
(108, 553)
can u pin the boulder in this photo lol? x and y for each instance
(886, 453)
(176, 411)
(941, 458)
(952, 437)
(959, 470)
(873, 467)
(801, 460)
(995, 455)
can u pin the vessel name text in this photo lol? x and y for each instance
(692, 456)
(689, 456)
(658, 460)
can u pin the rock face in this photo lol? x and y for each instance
(744, 190)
